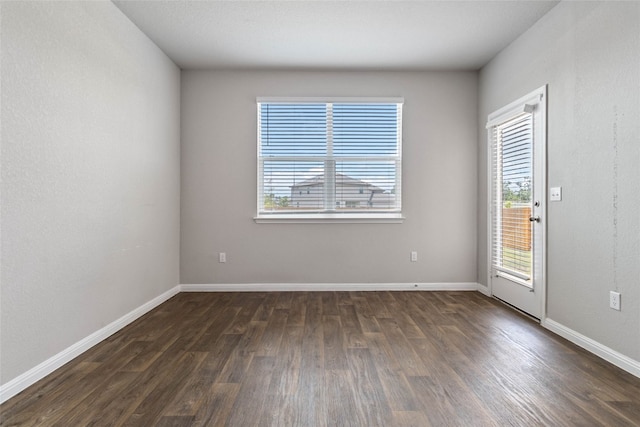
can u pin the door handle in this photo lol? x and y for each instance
(534, 218)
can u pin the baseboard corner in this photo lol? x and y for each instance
(484, 289)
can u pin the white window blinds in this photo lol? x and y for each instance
(329, 157)
(512, 150)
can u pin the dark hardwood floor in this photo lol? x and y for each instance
(331, 359)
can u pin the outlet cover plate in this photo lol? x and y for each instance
(614, 300)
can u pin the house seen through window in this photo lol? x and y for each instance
(331, 158)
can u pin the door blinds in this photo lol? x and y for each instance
(512, 166)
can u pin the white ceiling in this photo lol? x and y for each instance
(344, 35)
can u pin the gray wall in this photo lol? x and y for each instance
(218, 178)
(90, 175)
(587, 53)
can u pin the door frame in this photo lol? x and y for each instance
(537, 97)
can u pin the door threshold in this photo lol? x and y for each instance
(516, 309)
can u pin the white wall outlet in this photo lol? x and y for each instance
(614, 300)
(414, 256)
(555, 194)
(222, 257)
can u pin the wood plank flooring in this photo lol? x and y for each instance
(331, 359)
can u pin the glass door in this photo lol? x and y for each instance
(517, 192)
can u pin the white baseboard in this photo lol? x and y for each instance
(608, 354)
(40, 371)
(35, 374)
(287, 287)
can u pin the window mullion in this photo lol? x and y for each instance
(330, 166)
(398, 175)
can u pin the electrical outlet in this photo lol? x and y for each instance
(614, 300)
(414, 256)
(222, 257)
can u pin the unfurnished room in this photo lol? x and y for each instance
(320, 213)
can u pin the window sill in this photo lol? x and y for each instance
(327, 218)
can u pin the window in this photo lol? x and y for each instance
(336, 159)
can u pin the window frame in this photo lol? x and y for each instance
(327, 215)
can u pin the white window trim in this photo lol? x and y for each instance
(329, 217)
(325, 99)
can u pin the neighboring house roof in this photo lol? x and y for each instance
(341, 179)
